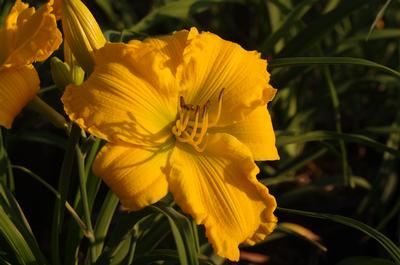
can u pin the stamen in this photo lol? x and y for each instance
(201, 149)
(189, 129)
(175, 131)
(187, 139)
(185, 122)
(196, 122)
(205, 108)
(204, 127)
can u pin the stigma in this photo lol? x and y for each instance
(193, 121)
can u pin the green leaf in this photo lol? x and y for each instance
(378, 16)
(6, 175)
(385, 242)
(293, 232)
(119, 238)
(103, 221)
(179, 9)
(107, 9)
(15, 229)
(63, 189)
(283, 174)
(365, 261)
(153, 233)
(290, 21)
(299, 61)
(182, 230)
(386, 33)
(329, 135)
(15, 240)
(319, 28)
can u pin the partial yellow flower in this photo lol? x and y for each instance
(81, 31)
(184, 113)
(27, 36)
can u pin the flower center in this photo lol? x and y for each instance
(192, 123)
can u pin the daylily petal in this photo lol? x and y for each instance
(172, 46)
(130, 96)
(7, 31)
(17, 87)
(256, 132)
(219, 189)
(56, 8)
(135, 175)
(212, 64)
(29, 35)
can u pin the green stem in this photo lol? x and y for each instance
(41, 107)
(85, 203)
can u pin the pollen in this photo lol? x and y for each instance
(193, 122)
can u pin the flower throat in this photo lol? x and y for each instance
(192, 123)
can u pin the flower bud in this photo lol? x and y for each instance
(76, 72)
(64, 74)
(81, 32)
(60, 72)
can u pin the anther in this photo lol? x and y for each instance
(221, 94)
(203, 130)
(205, 108)
(181, 102)
(192, 123)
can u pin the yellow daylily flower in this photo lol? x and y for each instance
(81, 31)
(184, 113)
(27, 36)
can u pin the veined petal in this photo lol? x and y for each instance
(219, 189)
(172, 46)
(135, 175)
(130, 97)
(17, 87)
(29, 35)
(256, 132)
(212, 64)
(7, 31)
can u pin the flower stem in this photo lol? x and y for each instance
(41, 107)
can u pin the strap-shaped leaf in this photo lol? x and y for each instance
(385, 242)
(184, 236)
(299, 61)
(329, 135)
